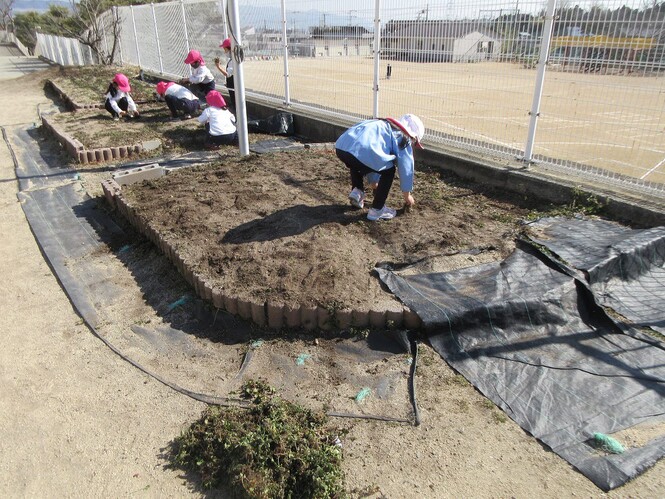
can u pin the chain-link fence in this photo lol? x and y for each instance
(471, 69)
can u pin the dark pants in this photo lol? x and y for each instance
(185, 106)
(204, 88)
(359, 170)
(213, 141)
(122, 104)
(232, 93)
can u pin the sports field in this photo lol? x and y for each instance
(612, 121)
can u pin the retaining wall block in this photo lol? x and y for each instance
(92, 158)
(394, 318)
(275, 315)
(207, 288)
(82, 157)
(292, 316)
(244, 309)
(360, 318)
(189, 275)
(122, 151)
(309, 317)
(324, 319)
(99, 155)
(344, 318)
(218, 297)
(377, 319)
(231, 304)
(115, 152)
(411, 319)
(137, 149)
(108, 156)
(258, 313)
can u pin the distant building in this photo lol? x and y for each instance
(341, 41)
(439, 41)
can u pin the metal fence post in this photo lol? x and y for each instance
(117, 19)
(287, 93)
(377, 54)
(540, 79)
(238, 77)
(184, 23)
(136, 38)
(159, 50)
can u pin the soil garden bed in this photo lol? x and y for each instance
(276, 230)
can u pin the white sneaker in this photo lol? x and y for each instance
(357, 198)
(384, 213)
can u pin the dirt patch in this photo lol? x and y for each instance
(277, 227)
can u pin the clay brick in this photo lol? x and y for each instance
(99, 155)
(343, 318)
(92, 158)
(275, 315)
(324, 319)
(309, 317)
(218, 297)
(292, 316)
(115, 152)
(394, 318)
(231, 304)
(207, 289)
(108, 156)
(360, 318)
(122, 151)
(377, 319)
(258, 313)
(411, 320)
(138, 149)
(82, 157)
(244, 309)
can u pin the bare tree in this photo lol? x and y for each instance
(98, 26)
(6, 7)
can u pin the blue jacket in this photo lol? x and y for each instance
(377, 145)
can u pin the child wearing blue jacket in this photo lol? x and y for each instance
(375, 148)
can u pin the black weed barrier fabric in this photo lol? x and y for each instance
(625, 268)
(533, 340)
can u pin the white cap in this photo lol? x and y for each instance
(413, 126)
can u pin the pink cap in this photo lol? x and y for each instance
(123, 82)
(163, 86)
(226, 44)
(214, 98)
(193, 56)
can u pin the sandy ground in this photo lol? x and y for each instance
(78, 421)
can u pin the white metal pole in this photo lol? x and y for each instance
(540, 79)
(287, 93)
(159, 50)
(238, 77)
(136, 38)
(184, 23)
(226, 28)
(377, 53)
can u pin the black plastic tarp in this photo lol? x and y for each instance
(532, 339)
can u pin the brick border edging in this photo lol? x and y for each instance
(273, 315)
(84, 156)
(71, 102)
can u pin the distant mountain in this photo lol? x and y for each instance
(37, 5)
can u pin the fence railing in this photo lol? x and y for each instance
(469, 69)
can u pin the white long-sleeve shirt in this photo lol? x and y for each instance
(201, 75)
(180, 92)
(113, 100)
(222, 121)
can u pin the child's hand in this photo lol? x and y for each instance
(216, 60)
(408, 199)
